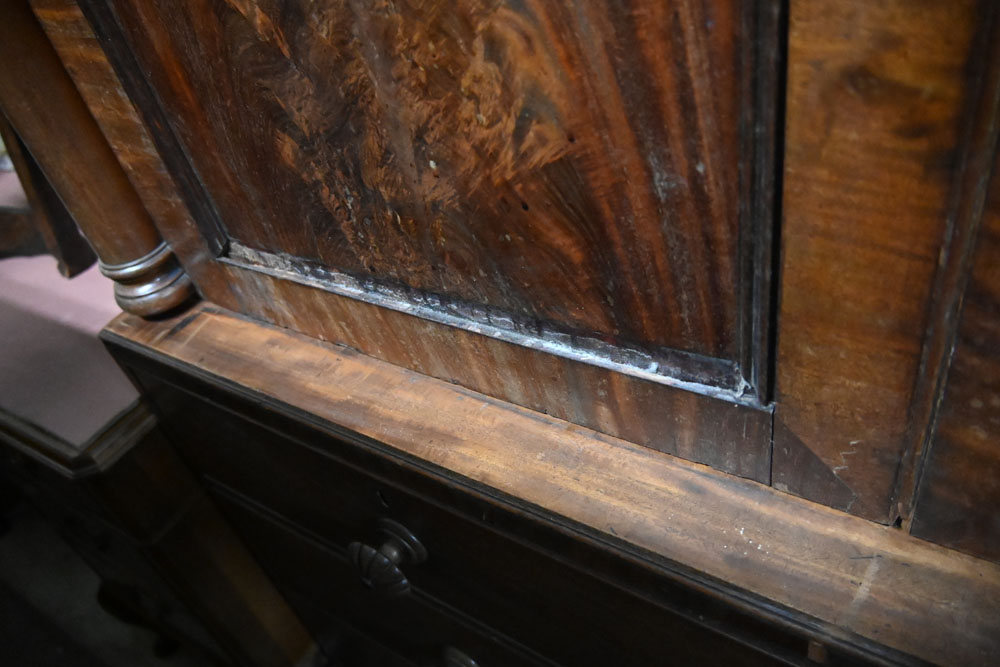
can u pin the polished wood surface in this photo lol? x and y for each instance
(662, 397)
(493, 226)
(135, 145)
(879, 111)
(729, 436)
(574, 165)
(849, 580)
(968, 213)
(877, 187)
(42, 103)
(959, 490)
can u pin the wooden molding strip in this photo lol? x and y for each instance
(99, 453)
(863, 582)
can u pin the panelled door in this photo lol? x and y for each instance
(563, 205)
(744, 233)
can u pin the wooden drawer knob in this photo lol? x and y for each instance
(380, 568)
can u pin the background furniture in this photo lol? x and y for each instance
(86, 451)
(33, 220)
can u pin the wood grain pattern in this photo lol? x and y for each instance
(876, 116)
(579, 165)
(693, 426)
(731, 437)
(310, 455)
(959, 493)
(969, 204)
(45, 109)
(47, 113)
(856, 579)
(100, 87)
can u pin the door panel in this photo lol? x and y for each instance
(564, 206)
(636, 305)
(571, 167)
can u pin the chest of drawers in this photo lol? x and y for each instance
(616, 332)
(588, 551)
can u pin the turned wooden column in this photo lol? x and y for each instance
(45, 109)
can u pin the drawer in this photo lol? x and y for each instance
(536, 597)
(341, 644)
(323, 587)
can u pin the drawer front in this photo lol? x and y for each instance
(543, 603)
(341, 644)
(319, 581)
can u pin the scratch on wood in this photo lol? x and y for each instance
(864, 588)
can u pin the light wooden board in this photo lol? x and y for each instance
(866, 579)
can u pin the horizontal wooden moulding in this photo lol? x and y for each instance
(859, 582)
